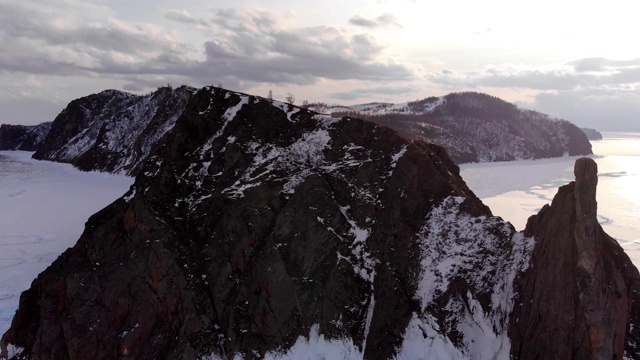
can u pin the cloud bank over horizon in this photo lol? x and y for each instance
(65, 49)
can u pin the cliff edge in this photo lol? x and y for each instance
(579, 299)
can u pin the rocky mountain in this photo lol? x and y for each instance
(21, 137)
(592, 134)
(597, 311)
(476, 127)
(258, 229)
(112, 130)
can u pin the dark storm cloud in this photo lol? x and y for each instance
(42, 45)
(383, 20)
(532, 79)
(134, 86)
(366, 92)
(33, 59)
(303, 65)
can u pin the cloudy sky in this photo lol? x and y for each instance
(574, 60)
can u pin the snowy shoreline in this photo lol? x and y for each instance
(43, 209)
(516, 190)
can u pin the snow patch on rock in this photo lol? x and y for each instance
(458, 247)
(298, 159)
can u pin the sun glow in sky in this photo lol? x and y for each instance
(569, 59)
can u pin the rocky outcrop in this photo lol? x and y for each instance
(20, 137)
(579, 299)
(256, 229)
(476, 127)
(112, 131)
(592, 134)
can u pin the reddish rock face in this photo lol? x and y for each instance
(579, 299)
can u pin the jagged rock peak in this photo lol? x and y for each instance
(579, 298)
(586, 173)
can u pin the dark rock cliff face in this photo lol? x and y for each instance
(112, 130)
(476, 127)
(20, 137)
(579, 299)
(254, 226)
(262, 230)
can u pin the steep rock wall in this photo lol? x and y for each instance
(579, 299)
(112, 131)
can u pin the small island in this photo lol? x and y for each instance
(592, 134)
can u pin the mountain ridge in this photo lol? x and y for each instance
(476, 127)
(114, 131)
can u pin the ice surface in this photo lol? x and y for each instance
(516, 190)
(43, 208)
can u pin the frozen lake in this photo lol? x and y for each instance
(518, 189)
(43, 208)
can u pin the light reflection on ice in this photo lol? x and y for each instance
(516, 190)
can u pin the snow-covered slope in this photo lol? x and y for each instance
(476, 127)
(112, 130)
